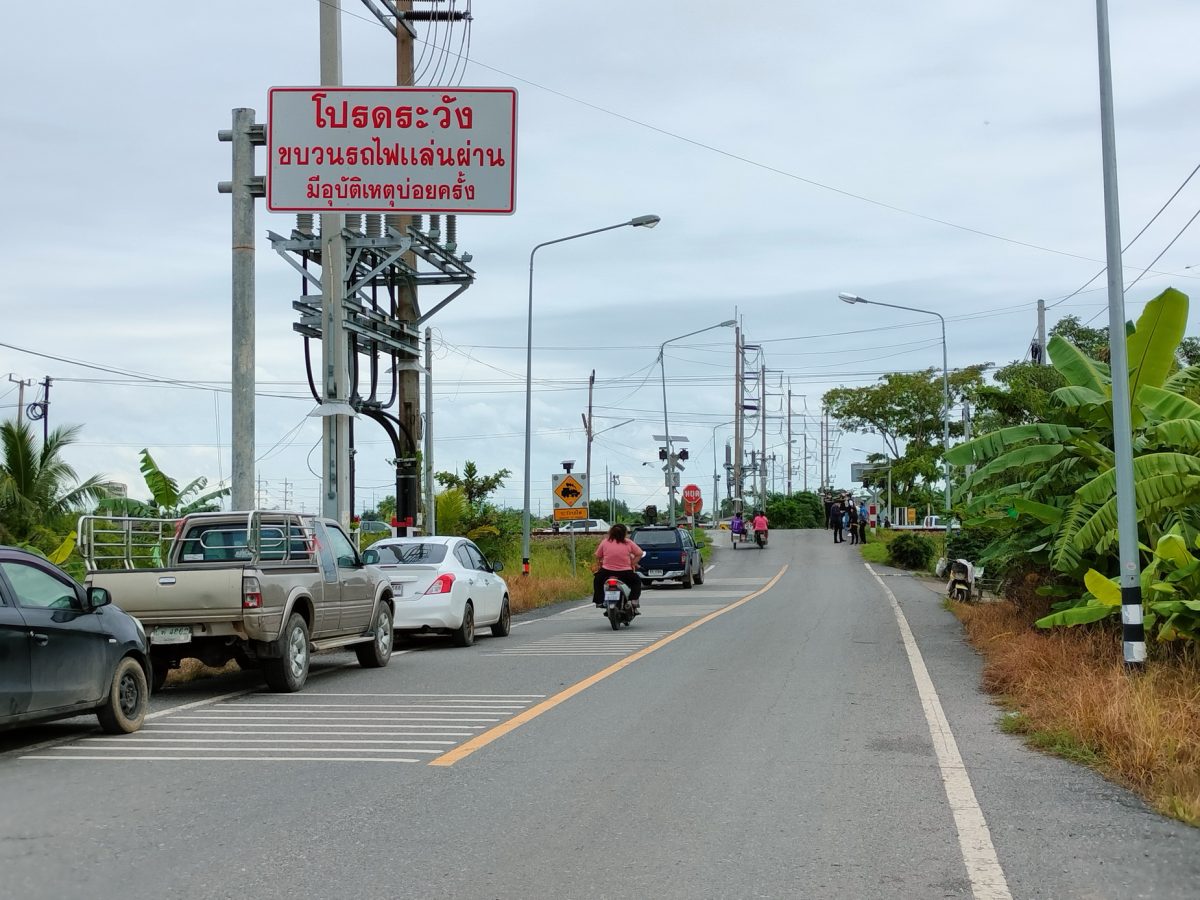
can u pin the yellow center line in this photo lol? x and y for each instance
(493, 734)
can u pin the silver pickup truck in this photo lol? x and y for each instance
(263, 588)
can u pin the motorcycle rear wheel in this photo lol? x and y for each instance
(614, 619)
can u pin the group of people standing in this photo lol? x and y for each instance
(844, 517)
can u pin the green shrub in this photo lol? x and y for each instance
(911, 551)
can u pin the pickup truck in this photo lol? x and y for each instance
(671, 555)
(263, 588)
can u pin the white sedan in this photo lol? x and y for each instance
(443, 585)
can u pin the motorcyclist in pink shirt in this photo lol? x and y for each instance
(618, 557)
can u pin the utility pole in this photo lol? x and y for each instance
(762, 433)
(335, 370)
(789, 442)
(46, 382)
(287, 494)
(739, 437)
(430, 500)
(1041, 338)
(587, 427)
(21, 385)
(804, 459)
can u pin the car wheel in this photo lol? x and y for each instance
(159, 670)
(124, 710)
(700, 573)
(687, 581)
(464, 635)
(288, 673)
(376, 653)
(504, 625)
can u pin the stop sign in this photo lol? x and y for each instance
(692, 499)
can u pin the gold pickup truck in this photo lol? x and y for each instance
(263, 588)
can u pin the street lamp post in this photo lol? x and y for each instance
(854, 298)
(728, 323)
(648, 221)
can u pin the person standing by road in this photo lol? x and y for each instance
(617, 556)
(835, 521)
(863, 519)
(852, 521)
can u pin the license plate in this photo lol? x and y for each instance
(612, 598)
(656, 573)
(171, 634)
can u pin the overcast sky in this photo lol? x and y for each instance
(793, 150)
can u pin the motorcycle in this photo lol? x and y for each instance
(617, 605)
(962, 580)
(760, 538)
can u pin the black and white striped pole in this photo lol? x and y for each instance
(1133, 630)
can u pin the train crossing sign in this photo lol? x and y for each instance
(570, 496)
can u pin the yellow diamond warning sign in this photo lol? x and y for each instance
(570, 496)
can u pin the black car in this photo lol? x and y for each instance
(65, 650)
(671, 555)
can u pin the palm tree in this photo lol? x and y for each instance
(38, 488)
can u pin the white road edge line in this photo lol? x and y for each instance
(974, 837)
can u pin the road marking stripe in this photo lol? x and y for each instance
(236, 749)
(313, 694)
(372, 729)
(356, 730)
(131, 739)
(974, 837)
(347, 759)
(494, 734)
(299, 720)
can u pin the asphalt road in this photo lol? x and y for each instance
(761, 735)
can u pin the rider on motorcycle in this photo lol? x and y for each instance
(760, 523)
(617, 556)
(737, 524)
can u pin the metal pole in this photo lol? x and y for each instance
(430, 498)
(1134, 636)
(804, 461)
(46, 382)
(945, 417)
(587, 475)
(762, 428)
(789, 442)
(639, 221)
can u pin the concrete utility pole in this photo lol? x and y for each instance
(408, 409)
(21, 385)
(804, 459)
(1041, 338)
(587, 427)
(335, 369)
(739, 426)
(789, 442)
(762, 433)
(430, 498)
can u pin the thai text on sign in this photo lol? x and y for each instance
(397, 150)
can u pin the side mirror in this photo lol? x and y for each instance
(97, 597)
(497, 566)
(370, 557)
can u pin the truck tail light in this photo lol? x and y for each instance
(441, 584)
(683, 558)
(251, 593)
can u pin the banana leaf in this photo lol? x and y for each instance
(1154, 341)
(1164, 405)
(1078, 368)
(1076, 615)
(1179, 434)
(1043, 512)
(1183, 380)
(1022, 457)
(1154, 497)
(1146, 466)
(988, 446)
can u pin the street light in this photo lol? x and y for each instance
(854, 298)
(670, 468)
(648, 221)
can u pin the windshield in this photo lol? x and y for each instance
(656, 538)
(411, 554)
(226, 542)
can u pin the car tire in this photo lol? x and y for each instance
(124, 709)
(374, 654)
(159, 670)
(464, 634)
(504, 624)
(687, 581)
(245, 661)
(287, 674)
(700, 573)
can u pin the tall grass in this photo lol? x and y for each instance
(550, 579)
(1073, 697)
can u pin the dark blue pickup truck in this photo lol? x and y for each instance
(671, 555)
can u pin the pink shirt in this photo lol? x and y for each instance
(615, 556)
(760, 523)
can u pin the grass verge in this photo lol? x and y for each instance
(1069, 695)
(550, 579)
